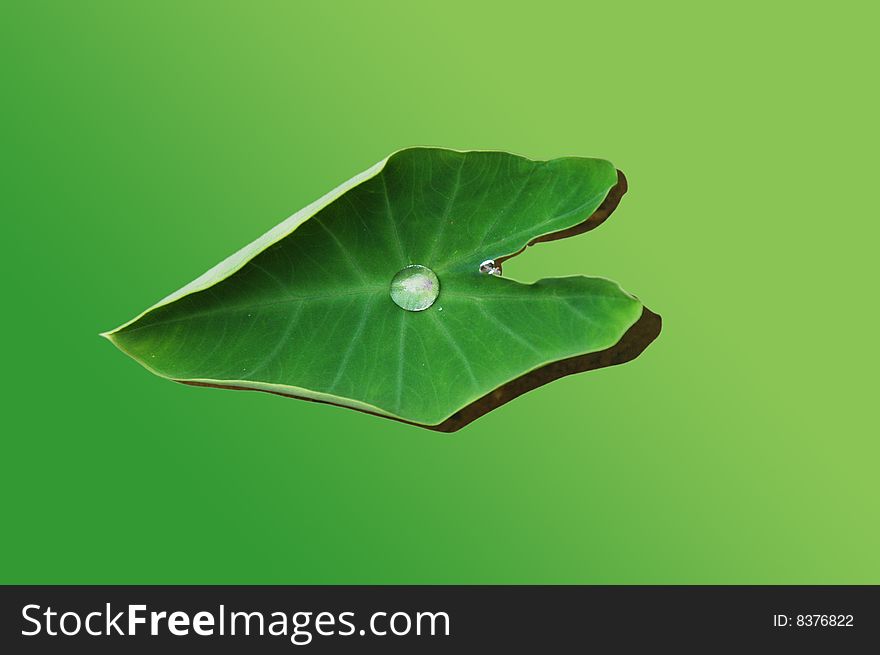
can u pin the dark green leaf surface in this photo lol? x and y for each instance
(306, 309)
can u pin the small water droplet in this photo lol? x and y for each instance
(415, 288)
(489, 267)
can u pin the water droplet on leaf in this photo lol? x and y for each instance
(490, 268)
(415, 288)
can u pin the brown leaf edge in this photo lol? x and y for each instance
(593, 221)
(631, 345)
(634, 341)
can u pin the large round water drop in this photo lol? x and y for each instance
(415, 288)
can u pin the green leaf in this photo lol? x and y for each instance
(307, 310)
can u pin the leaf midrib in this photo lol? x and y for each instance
(255, 306)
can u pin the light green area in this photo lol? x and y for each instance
(143, 145)
(308, 313)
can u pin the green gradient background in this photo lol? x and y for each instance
(142, 145)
